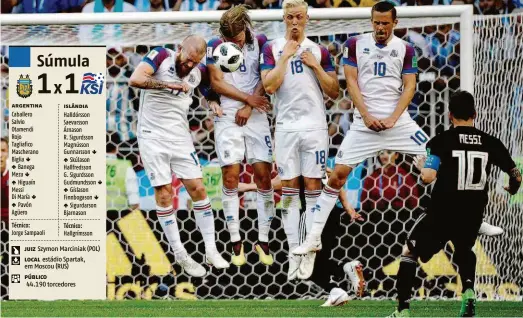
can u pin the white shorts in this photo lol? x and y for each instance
(361, 144)
(252, 141)
(301, 153)
(163, 158)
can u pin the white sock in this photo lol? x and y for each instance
(205, 221)
(266, 211)
(231, 209)
(326, 203)
(291, 215)
(169, 225)
(311, 197)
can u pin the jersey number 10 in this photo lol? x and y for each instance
(466, 169)
(380, 68)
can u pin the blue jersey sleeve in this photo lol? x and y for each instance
(349, 52)
(155, 57)
(211, 46)
(267, 61)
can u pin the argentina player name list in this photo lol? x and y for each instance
(57, 172)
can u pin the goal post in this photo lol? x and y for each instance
(487, 63)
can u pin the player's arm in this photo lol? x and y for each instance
(348, 207)
(220, 86)
(272, 73)
(429, 166)
(410, 68)
(211, 97)
(324, 70)
(350, 68)
(502, 159)
(143, 75)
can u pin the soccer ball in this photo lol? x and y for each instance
(228, 56)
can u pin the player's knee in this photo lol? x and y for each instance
(198, 192)
(336, 181)
(230, 180)
(264, 181)
(164, 195)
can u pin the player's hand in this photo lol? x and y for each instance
(388, 122)
(419, 161)
(260, 103)
(308, 59)
(353, 215)
(243, 114)
(184, 87)
(216, 108)
(372, 123)
(290, 48)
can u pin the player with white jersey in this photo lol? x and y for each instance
(242, 129)
(168, 80)
(380, 69)
(299, 72)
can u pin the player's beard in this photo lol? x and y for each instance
(181, 71)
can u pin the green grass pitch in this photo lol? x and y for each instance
(246, 308)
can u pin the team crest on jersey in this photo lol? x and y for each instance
(394, 53)
(366, 50)
(192, 79)
(171, 70)
(151, 176)
(226, 154)
(152, 54)
(340, 154)
(250, 47)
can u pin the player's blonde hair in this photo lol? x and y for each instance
(236, 20)
(287, 4)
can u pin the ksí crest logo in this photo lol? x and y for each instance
(24, 87)
(92, 83)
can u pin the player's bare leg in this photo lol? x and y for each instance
(265, 208)
(291, 221)
(167, 218)
(204, 220)
(312, 193)
(323, 208)
(231, 209)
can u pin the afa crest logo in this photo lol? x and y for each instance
(24, 87)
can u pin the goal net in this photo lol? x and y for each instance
(455, 50)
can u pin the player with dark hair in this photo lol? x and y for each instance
(242, 129)
(380, 69)
(461, 159)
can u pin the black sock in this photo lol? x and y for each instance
(466, 261)
(406, 274)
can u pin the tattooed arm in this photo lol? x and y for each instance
(142, 77)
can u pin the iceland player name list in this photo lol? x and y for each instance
(57, 173)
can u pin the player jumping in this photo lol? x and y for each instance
(241, 131)
(168, 80)
(380, 69)
(461, 159)
(298, 71)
